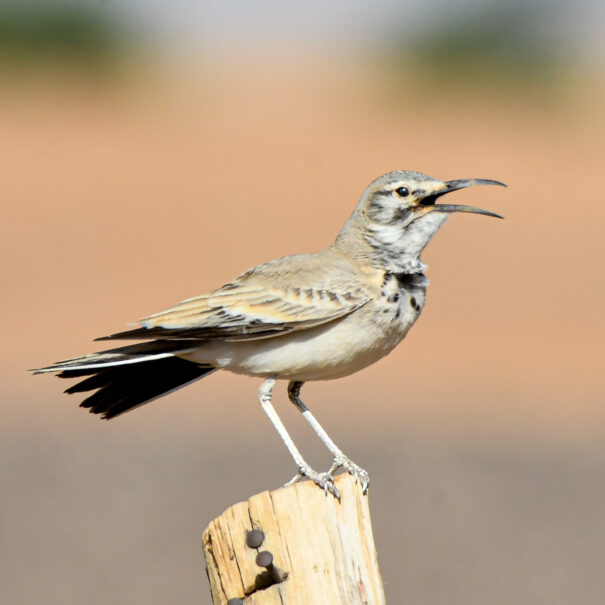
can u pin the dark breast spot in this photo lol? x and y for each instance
(393, 298)
(414, 304)
(410, 279)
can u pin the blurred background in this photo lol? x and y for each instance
(152, 151)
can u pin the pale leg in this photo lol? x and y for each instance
(340, 460)
(324, 480)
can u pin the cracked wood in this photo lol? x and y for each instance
(326, 548)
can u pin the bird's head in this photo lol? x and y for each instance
(399, 213)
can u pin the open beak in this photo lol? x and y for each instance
(430, 200)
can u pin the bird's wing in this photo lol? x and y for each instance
(249, 309)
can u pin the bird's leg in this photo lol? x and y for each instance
(340, 460)
(324, 480)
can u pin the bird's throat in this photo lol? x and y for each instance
(397, 249)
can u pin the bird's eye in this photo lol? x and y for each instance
(402, 191)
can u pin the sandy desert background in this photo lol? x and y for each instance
(484, 432)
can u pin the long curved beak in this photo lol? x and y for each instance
(449, 186)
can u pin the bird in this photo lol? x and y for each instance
(300, 318)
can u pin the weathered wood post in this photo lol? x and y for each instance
(308, 548)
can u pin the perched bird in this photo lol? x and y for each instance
(298, 318)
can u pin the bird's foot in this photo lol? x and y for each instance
(358, 473)
(323, 480)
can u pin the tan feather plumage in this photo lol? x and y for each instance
(305, 317)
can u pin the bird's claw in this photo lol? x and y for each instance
(358, 473)
(323, 480)
(326, 480)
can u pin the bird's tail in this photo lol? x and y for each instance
(127, 377)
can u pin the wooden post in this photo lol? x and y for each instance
(322, 550)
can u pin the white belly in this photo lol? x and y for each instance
(329, 351)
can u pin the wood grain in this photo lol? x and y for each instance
(325, 548)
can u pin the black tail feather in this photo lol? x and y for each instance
(124, 387)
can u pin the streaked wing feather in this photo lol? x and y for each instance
(238, 312)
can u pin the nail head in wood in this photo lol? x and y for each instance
(254, 538)
(264, 559)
